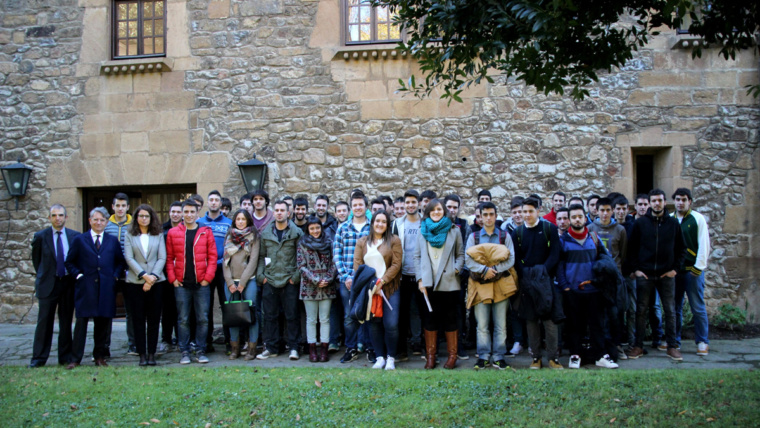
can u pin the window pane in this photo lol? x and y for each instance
(133, 11)
(132, 47)
(382, 14)
(382, 32)
(148, 10)
(366, 14)
(395, 32)
(122, 30)
(366, 32)
(159, 27)
(159, 45)
(132, 29)
(147, 28)
(353, 33)
(148, 46)
(122, 14)
(159, 9)
(122, 48)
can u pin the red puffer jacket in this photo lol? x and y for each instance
(204, 249)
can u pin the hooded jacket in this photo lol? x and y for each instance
(118, 230)
(656, 245)
(576, 262)
(282, 256)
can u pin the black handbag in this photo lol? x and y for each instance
(238, 313)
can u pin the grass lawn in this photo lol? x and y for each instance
(243, 396)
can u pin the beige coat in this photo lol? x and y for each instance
(490, 292)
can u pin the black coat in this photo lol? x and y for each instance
(364, 279)
(655, 246)
(43, 259)
(94, 292)
(608, 280)
(539, 298)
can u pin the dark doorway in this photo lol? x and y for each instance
(644, 173)
(158, 197)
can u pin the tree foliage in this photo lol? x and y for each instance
(554, 45)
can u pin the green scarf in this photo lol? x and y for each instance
(435, 232)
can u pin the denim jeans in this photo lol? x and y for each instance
(250, 292)
(384, 331)
(272, 299)
(484, 313)
(336, 319)
(667, 289)
(317, 309)
(694, 288)
(199, 300)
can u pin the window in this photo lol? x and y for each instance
(139, 28)
(367, 24)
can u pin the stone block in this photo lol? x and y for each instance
(720, 79)
(191, 173)
(95, 49)
(136, 122)
(422, 109)
(217, 167)
(119, 84)
(98, 123)
(641, 98)
(742, 219)
(92, 86)
(666, 79)
(673, 98)
(705, 96)
(169, 141)
(352, 151)
(147, 82)
(705, 111)
(314, 156)
(115, 103)
(376, 110)
(175, 101)
(89, 105)
(748, 78)
(155, 169)
(172, 81)
(176, 119)
(99, 145)
(371, 90)
(455, 109)
(134, 142)
(218, 9)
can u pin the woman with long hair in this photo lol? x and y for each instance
(381, 250)
(438, 259)
(145, 254)
(315, 261)
(239, 263)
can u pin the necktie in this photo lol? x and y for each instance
(60, 269)
(97, 242)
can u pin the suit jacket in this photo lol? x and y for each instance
(452, 259)
(94, 292)
(43, 258)
(151, 263)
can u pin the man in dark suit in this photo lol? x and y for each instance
(96, 261)
(54, 287)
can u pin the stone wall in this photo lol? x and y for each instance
(271, 78)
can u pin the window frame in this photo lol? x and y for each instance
(140, 22)
(345, 9)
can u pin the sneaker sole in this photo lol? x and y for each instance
(676, 359)
(605, 367)
(702, 354)
(535, 368)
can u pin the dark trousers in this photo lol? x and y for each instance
(407, 291)
(146, 306)
(585, 311)
(100, 335)
(666, 287)
(272, 300)
(62, 297)
(217, 287)
(168, 313)
(120, 284)
(445, 313)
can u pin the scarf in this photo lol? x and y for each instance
(322, 245)
(435, 232)
(580, 236)
(239, 240)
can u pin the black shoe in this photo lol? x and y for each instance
(480, 364)
(132, 350)
(151, 359)
(350, 355)
(107, 353)
(371, 356)
(210, 349)
(416, 349)
(501, 365)
(36, 364)
(143, 361)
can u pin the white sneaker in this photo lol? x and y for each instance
(516, 349)
(575, 362)
(265, 354)
(621, 353)
(380, 363)
(294, 355)
(703, 349)
(390, 364)
(607, 362)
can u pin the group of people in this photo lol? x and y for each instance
(388, 277)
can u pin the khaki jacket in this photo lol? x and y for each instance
(490, 292)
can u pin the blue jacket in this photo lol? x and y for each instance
(219, 226)
(94, 291)
(576, 263)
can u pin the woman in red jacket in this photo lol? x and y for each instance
(190, 267)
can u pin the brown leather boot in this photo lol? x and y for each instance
(234, 350)
(251, 354)
(431, 347)
(452, 338)
(313, 353)
(323, 353)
